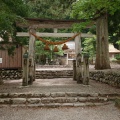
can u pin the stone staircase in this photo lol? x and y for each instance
(57, 99)
(50, 74)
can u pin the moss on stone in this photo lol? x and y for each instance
(117, 102)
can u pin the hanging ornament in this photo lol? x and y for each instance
(47, 47)
(65, 47)
(55, 49)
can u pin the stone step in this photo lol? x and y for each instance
(51, 77)
(44, 74)
(55, 99)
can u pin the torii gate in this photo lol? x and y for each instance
(33, 24)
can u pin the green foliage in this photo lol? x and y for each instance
(90, 10)
(52, 9)
(11, 50)
(117, 56)
(89, 45)
(50, 54)
(114, 28)
(10, 12)
(39, 47)
(113, 59)
(118, 42)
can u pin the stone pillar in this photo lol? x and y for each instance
(86, 69)
(78, 59)
(25, 69)
(31, 57)
(67, 59)
(79, 69)
(55, 30)
(74, 69)
(46, 62)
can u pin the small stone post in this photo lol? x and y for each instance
(25, 69)
(86, 69)
(79, 76)
(74, 69)
(46, 62)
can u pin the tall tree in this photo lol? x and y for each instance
(98, 10)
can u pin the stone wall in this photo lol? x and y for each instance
(110, 77)
(43, 74)
(11, 74)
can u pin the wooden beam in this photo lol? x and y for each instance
(47, 23)
(25, 34)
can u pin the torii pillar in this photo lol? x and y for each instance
(78, 59)
(31, 53)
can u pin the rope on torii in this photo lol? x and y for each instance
(54, 43)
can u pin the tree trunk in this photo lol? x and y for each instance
(102, 52)
(31, 57)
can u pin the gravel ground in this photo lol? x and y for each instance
(107, 112)
(56, 85)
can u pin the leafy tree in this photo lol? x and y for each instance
(10, 12)
(98, 11)
(51, 9)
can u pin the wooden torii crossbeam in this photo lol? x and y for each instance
(48, 23)
(26, 34)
